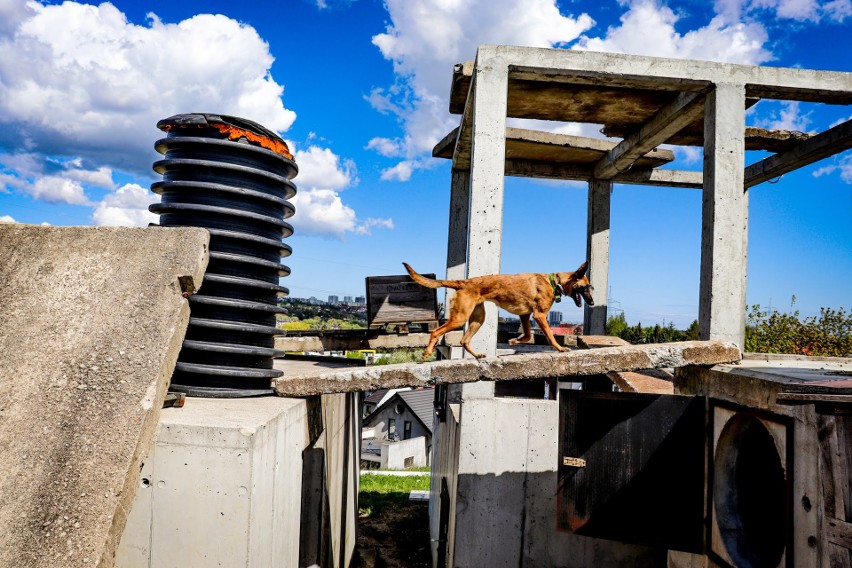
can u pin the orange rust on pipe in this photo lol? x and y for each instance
(235, 133)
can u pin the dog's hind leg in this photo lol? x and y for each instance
(527, 335)
(477, 318)
(541, 320)
(459, 312)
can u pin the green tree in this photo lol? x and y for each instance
(692, 331)
(616, 325)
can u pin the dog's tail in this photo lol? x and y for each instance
(428, 282)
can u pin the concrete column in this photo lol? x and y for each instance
(597, 253)
(721, 305)
(458, 229)
(491, 80)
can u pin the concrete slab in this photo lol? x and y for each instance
(93, 320)
(510, 367)
(805, 375)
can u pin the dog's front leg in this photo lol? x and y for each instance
(525, 326)
(541, 320)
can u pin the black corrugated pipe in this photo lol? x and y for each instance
(232, 177)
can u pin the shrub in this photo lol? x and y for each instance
(829, 335)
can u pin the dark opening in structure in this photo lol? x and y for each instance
(750, 493)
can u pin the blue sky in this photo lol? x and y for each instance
(359, 88)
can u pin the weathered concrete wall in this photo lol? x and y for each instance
(92, 322)
(506, 496)
(394, 454)
(230, 483)
(222, 487)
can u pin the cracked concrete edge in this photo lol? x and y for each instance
(512, 367)
(152, 418)
(147, 431)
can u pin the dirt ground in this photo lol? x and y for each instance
(396, 538)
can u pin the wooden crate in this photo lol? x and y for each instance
(401, 301)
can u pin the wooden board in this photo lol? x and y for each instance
(400, 300)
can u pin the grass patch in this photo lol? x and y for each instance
(378, 492)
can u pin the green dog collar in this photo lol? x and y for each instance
(557, 289)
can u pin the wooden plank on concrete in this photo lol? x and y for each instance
(631, 381)
(93, 320)
(597, 341)
(512, 367)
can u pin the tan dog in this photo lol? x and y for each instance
(524, 295)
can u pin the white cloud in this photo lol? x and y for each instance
(50, 179)
(798, 10)
(7, 219)
(366, 227)
(127, 207)
(386, 147)
(55, 189)
(842, 165)
(788, 117)
(648, 28)
(82, 90)
(320, 167)
(425, 39)
(838, 10)
(322, 212)
(400, 172)
(81, 80)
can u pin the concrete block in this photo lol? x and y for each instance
(93, 320)
(222, 487)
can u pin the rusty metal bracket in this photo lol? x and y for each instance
(174, 399)
(573, 462)
(187, 286)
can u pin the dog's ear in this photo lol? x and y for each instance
(581, 271)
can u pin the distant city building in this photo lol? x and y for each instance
(313, 300)
(347, 300)
(332, 300)
(360, 300)
(554, 318)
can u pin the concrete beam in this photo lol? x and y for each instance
(511, 367)
(832, 141)
(668, 121)
(662, 178)
(833, 87)
(597, 254)
(721, 303)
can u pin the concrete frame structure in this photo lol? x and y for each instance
(480, 456)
